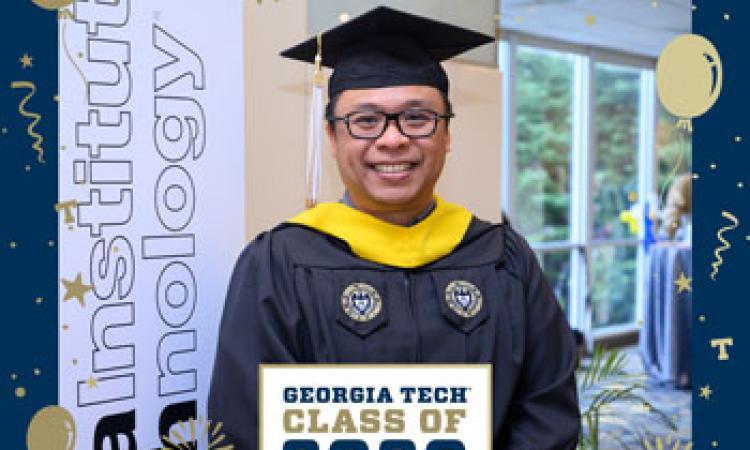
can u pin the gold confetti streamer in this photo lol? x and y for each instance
(38, 139)
(726, 245)
(62, 15)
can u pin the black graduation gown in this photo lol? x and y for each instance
(284, 306)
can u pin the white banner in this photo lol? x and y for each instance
(151, 202)
(379, 406)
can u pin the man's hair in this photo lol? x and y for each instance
(331, 106)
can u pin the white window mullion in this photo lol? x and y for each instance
(588, 156)
(646, 177)
(579, 318)
(508, 68)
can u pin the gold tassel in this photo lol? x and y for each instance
(315, 133)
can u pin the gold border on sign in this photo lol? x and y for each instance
(486, 366)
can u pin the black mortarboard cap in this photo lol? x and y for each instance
(386, 47)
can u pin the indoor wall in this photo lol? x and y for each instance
(276, 121)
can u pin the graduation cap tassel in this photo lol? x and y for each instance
(315, 132)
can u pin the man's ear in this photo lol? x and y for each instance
(331, 133)
(447, 139)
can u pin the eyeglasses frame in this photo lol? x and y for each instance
(388, 118)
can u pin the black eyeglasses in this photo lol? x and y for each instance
(412, 123)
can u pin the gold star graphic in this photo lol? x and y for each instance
(705, 392)
(683, 283)
(91, 382)
(590, 19)
(26, 60)
(76, 289)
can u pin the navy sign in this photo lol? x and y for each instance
(463, 298)
(361, 302)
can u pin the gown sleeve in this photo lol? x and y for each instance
(260, 323)
(544, 413)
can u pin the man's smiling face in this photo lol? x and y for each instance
(393, 173)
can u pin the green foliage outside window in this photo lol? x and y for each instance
(543, 144)
(543, 84)
(616, 114)
(542, 201)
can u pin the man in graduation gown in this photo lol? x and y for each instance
(393, 273)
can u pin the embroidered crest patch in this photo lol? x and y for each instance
(463, 298)
(361, 302)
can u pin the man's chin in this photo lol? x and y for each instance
(395, 201)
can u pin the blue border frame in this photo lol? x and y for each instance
(28, 327)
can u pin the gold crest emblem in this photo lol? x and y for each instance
(463, 298)
(361, 302)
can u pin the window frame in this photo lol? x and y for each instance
(583, 163)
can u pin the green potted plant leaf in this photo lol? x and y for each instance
(603, 385)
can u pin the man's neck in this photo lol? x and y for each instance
(404, 218)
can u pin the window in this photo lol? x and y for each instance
(544, 92)
(615, 189)
(585, 141)
(543, 170)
